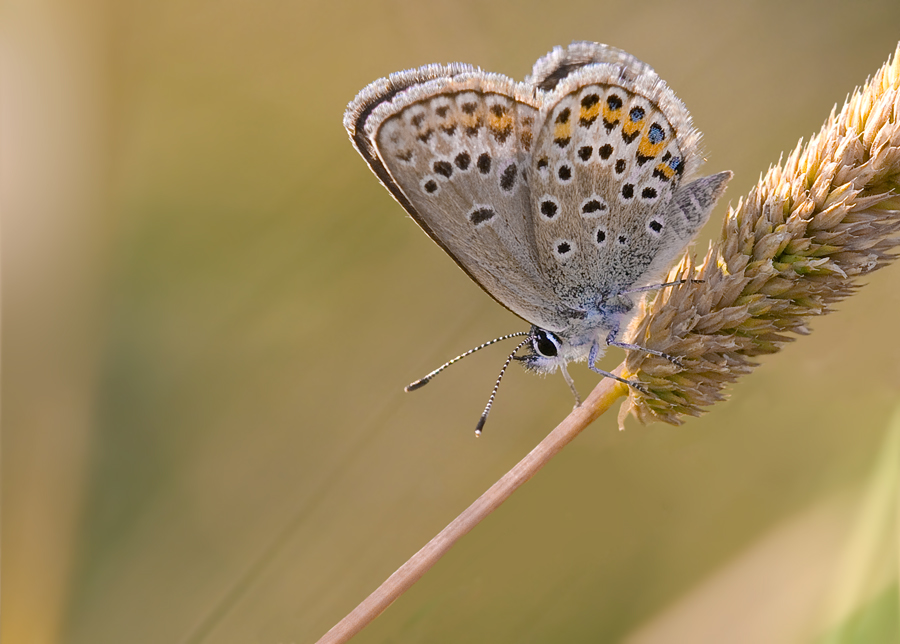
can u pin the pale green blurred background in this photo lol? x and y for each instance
(210, 308)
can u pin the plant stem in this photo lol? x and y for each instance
(603, 396)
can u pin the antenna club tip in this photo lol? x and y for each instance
(421, 382)
(480, 426)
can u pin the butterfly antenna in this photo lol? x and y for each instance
(421, 382)
(490, 402)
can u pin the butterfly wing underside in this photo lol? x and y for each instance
(453, 146)
(551, 194)
(606, 166)
(561, 62)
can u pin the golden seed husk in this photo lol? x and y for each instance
(816, 222)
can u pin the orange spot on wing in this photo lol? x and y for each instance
(501, 125)
(611, 115)
(588, 114)
(501, 122)
(666, 170)
(647, 149)
(630, 127)
(562, 130)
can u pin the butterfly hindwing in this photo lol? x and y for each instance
(561, 62)
(610, 155)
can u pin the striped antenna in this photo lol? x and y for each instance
(490, 402)
(421, 382)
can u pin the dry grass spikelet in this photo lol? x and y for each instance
(814, 224)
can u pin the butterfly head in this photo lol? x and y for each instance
(587, 331)
(550, 351)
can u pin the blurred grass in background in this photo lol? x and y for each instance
(211, 308)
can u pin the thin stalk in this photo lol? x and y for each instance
(601, 399)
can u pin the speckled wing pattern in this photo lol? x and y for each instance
(452, 144)
(549, 193)
(610, 155)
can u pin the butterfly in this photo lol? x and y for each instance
(565, 197)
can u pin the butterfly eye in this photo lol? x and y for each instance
(545, 343)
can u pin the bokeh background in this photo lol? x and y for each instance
(210, 308)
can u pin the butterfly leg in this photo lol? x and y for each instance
(592, 357)
(656, 287)
(571, 383)
(611, 341)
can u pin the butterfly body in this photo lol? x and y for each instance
(561, 196)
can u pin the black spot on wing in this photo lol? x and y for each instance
(508, 178)
(481, 214)
(443, 168)
(484, 163)
(592, 207)
(549, 209)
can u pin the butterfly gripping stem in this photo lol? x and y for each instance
(592, 357)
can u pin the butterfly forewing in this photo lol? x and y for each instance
(455, 151)
(383, 91)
